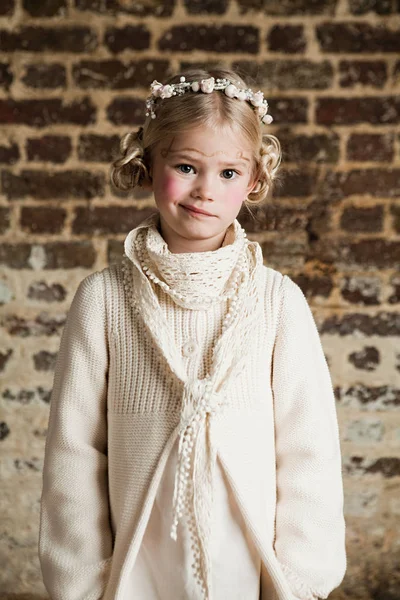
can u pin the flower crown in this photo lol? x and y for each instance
(256, 99)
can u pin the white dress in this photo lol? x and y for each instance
(163, 568)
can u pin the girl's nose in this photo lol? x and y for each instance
(204, 188)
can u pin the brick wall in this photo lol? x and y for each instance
(73, 75)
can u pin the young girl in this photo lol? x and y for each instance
(193, 447)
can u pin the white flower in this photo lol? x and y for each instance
(242, 95)
(207, 85)
(195, 86)
(231, 90)
(257, 99)
(261, 110)
(267, 119)
(156, 87)
(166, 91)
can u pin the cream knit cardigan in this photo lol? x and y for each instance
(114, 418)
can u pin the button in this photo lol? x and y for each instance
(189, 348)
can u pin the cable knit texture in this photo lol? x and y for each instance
(122, 396)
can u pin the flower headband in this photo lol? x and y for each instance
(256, 99)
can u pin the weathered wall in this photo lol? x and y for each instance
(73, 75)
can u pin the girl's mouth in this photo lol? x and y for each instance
(195, 211)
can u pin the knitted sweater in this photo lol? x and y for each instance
(120, 390)
(164, 569)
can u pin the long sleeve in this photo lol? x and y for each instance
(75, 539)
(310, 527)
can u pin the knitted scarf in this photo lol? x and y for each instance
(202, 399)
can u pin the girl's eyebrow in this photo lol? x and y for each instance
(184, 151)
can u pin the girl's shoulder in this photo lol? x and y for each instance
(105, 286)
(272, 281)
(281, 291)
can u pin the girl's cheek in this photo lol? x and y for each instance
(236, 197)
(172, 186)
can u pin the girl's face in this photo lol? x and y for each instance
(202, 169)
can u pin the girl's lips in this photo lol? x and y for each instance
(195, 211)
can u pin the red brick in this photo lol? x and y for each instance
(308, 148)
(4, 430)
(273, 218)
(4, 218)
(289, 39)
(55, 39)
(295, 183)
(7, 7)
(375, 398)
(362, 7)
(357, 37)
(50, 185)
(361, 290)
(366, 359)
(394, 297)
(193, 64)
(98, 148)
(206, 7)
(289, 74)
(115, 251)
(108, 219)
(319, 219)
(157, 8)
(58, 255)
(383, 183)
(45, 361)
(130, 37)
(45, 75)
(45, 8)
(370, 254)
(395, 211)
(289, 7)
(42, 219)
(43, 324)
(370, 147)
(40, 113)
(6, 75)
(9, 154)
(118, 75)
(26, 396)
(396, 71)
(70, 255)
(388, 466)
(211, 38)
(380, 324)
(126, 111)
(362, 219)
(4, 358)
(314, 286)
(284, 253)
(373, 73)
(384, 110)
(288, 110)
(44, 292)
(49, 148)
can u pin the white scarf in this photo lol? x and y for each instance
(201, 398)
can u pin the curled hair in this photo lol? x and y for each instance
(181, 113)
(267, 164)
(131, 169)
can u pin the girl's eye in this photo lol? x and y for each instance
(184, 169)
(229, 173)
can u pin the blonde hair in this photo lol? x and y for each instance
(181, 113)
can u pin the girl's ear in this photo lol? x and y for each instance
(252, 185)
